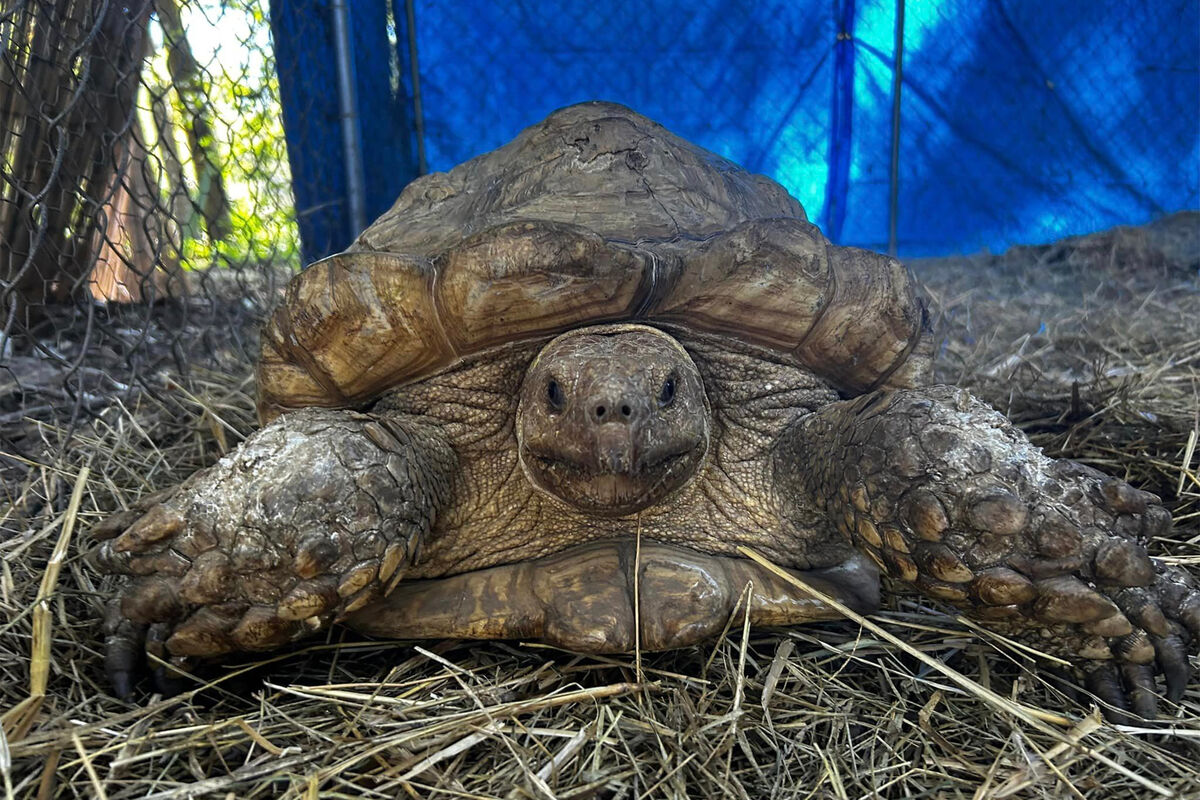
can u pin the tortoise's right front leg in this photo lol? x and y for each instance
(946, 494)
(307, 521)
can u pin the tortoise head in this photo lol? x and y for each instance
(612, 418)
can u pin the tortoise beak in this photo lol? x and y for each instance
(616, 450)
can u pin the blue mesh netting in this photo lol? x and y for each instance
(1021, 120)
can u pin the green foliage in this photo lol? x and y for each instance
(240, 89)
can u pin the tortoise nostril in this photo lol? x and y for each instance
(612, 408)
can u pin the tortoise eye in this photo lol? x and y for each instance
(667, 395)
(554, 394)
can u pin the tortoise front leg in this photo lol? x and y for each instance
(943, 492)
(308, 520)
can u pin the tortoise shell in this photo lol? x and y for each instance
(595, 215)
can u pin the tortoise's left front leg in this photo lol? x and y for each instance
(943, 492)
(311, 518)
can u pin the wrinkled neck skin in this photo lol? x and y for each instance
(538, 474)
(612, 419)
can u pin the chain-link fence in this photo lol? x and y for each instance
(1014, 121)
(146, 211)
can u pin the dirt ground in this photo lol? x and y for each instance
(1092, 345)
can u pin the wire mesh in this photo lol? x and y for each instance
(146, 213)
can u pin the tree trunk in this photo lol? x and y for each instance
(138, 256)
(77, 80)
(186, 78)
(179, 200)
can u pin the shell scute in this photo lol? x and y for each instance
(531, 278)
(765, 281)
(347, 328)
(873, 332)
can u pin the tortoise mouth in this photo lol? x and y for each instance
(611, 487)
(661, 463)
(613, 597)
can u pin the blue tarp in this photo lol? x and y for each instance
(1021, 121)
(304, 57)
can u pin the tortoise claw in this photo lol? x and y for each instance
(1104, 681)
(1171, 656)
(1140, 689)
(131, 649)
(167, 681)
(123, 649)
(1127, 692)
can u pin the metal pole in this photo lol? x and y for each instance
(418, 114)
(348, 107)
(897, 82)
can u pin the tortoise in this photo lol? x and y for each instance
(563, 391)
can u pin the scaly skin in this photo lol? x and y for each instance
(308, 521)
(944, 493)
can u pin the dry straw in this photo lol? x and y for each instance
(1093, 346)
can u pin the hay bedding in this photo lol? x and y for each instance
(1093, 345)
